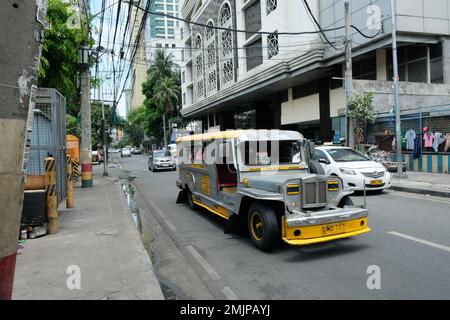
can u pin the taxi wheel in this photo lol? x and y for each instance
(263, 226)
(190, 200)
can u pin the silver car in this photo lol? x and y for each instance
(161, 160)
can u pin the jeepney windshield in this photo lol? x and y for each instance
(258, 153)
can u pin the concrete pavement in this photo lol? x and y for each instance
(97, 240)
(434, 184)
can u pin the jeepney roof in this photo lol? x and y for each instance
(245, 135)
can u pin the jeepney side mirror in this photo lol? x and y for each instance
(312, 149)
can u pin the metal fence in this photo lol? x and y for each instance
(435, 118)
(49, 137)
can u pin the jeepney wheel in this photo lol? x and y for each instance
(263, 226)
(346, 201)
(190, 200)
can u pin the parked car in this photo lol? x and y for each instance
(125, 152)
(160, 160)
(355, 169)
(137, 150)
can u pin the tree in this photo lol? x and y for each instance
(135, 126)
(166, 96)
(59, 61)
(97, 125)
(160, 71)
(361, 110)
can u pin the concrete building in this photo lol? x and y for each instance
(164, 32)
(139, 67)
(234, 79)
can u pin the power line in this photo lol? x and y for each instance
(231, 29)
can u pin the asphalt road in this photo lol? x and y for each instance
(409, 245)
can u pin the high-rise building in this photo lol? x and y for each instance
(164, 31)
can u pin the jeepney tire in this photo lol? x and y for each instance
(270, 234)
(346, 201)
(190, 200)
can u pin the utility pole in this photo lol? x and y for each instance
(86, 134)
(105, 140)
(350, 140)
(19, 68)
(396, 93)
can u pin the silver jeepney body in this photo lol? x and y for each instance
(308, 199)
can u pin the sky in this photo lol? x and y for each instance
(105, 69)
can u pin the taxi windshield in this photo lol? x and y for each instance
(257, 153)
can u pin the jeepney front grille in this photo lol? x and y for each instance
(314, 193)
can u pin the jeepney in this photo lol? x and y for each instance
(268, 180)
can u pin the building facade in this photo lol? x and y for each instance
(270, 77)
(164, 32)
(139, 65)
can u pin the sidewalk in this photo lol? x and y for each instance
(434, 184)
(100, 237)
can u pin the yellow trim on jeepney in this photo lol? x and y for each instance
(221, 212)
(274, 168)
(333, 186)
(293, 189)
(231, 134)
(301, 236)
(198, 166)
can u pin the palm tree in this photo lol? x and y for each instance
(166, 95)
(161, 66)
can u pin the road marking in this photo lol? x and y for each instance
(229, 293)
(428, 243)
(419, 198)
(209, 270)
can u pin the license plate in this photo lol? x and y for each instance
(376, 182)
(335, 228)
(165, 165)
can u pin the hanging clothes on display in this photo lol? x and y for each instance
(428, 138)
(447, 142)
(417, 148)
(438, 140)
(410, 136)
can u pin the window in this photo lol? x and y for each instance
(166, 45)
(211, 63)
(170, 23)
(253, 18)
(184, 98)
(169, 7)
(245, 120)
(159, 45)
(160, 30)
(183, 74)
(365, 68)
(173, 45)
(260, 152)
(320, 155)
(226, 48)
(254, 54)
(436, 65)
(271, 5)
(159, 7)
(170, 31)
(199, 76)
(272, 45)
(412, 63)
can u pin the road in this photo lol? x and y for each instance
(409, 245)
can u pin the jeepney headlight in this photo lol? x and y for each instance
(348, 171)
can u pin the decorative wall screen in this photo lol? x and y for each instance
(226, 48)
(199, 83)
(211, 59)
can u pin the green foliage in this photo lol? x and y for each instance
(59, 59)
(360, 109)
(162, 91)
(73, 125)
(134, 127)
(96, 124)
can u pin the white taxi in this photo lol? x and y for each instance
(354, 168)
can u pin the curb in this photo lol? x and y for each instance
(436, 193)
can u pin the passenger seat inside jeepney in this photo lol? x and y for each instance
(226, 171)
(227, 177)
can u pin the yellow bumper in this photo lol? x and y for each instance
(316, 234)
